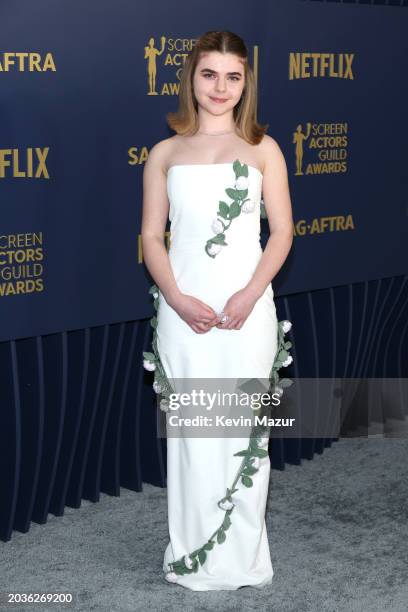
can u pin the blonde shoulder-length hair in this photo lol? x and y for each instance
(185, 120)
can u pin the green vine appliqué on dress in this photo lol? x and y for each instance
(251, 456)
(228, 212)
(152, 361)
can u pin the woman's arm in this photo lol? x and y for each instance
(154, 220)
(278, 207)
(275, 190)
(198, 315)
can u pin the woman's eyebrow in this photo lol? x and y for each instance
(215, 72)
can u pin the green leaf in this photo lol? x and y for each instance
(237, 168)
(235, 210)
(282, 355)
(221, 537)
(209, 545)
(249, 470)
(182, 566)
(260, 452)
(202, 556)
(178, 563)
(240, 453)
(247, 481)
(153, 322)
(219, 239)
(227, 522)
(234, 194)
(149, 356)
(286, 382)
(224, 209)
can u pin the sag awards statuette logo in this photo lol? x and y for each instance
(326, 146)
(174, 52)
(320, 65)
(20, 268)
(24, 163)
(26, 62)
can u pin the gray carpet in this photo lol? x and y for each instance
(338, 528)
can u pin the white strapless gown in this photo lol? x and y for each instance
(199, 470)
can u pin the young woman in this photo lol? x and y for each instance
(216, 315)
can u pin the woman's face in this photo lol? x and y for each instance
(218, 81)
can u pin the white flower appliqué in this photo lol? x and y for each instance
(214, 249)
(264, 441)
(149, 365)
(217, 226)
(241, 183)
(157, 387)
(248, 206)
(286, 325)
(226, 504)
(164, 405)
(171, 576)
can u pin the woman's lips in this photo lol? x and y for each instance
(218, 100)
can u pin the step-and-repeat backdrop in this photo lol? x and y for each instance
(84, 90)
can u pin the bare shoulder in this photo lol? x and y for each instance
(273, 157)
(159, 155)
(270, 148)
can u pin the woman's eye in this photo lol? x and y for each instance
(233, 78)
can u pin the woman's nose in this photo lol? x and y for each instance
(220, 85)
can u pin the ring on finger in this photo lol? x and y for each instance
(224, 317)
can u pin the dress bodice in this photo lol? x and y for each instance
(214, 208)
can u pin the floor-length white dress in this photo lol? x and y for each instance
(212, 204)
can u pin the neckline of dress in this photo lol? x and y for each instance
(211, 164)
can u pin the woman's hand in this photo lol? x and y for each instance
(238, 308)
(198, 315)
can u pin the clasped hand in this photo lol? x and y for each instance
(201, 317)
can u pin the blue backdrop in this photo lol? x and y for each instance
(80, 113)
